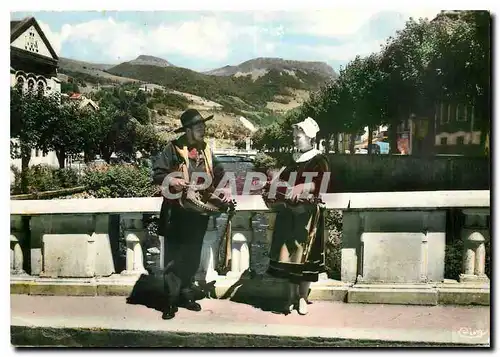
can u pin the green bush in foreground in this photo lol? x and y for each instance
(114, 181)
(42, 178)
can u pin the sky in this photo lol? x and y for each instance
(204, 40)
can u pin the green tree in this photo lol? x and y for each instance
(121, 113)
(30, 113)
(240, 144)
(367, 81)
(149, 141)
(258, 139)
(404, 61)
(70, 87)
(95, 126)
(63, 133)
(343, 105)
(459, 69)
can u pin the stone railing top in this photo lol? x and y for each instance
(343, 201)
(420, 199)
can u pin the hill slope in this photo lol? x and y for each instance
(90, 72)
(257, 89)
(263, 65)
(150, 61)
(275, 82)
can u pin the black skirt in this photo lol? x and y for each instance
(297, 251)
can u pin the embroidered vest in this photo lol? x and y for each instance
(183, 153)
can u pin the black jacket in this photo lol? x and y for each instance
(167, 161)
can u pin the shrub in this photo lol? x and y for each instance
(41, 178)
(263, 163)
(114, 181)
(175, 101)
(333, 243)
(453, 259)
(67, 177)
(240, 144)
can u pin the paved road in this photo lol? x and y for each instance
(86, 321)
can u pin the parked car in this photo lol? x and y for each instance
(375, 149)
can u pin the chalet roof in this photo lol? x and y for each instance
(14, 24)
(18, 27)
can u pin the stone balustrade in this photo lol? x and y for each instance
(393, 244)
(474, 233)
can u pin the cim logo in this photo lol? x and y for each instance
(469, 332)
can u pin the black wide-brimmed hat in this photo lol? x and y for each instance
(191, 117)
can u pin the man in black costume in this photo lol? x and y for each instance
(184, 230)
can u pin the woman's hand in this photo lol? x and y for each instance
(225, 193)
(301, 191)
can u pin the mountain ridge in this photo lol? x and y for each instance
(267, 63)
(260, 89)
(257, 63)
(151, 61)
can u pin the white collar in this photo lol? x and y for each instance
(305, 156)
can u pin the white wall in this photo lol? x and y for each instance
(25, 42)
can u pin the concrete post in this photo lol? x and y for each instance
(474, 235)
(17, 237)
(241, 238)
(135, 235)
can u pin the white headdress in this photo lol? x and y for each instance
(309, 126)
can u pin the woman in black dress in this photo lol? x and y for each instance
(297, 251)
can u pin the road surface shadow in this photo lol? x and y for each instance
(149, 291)
(251, 289)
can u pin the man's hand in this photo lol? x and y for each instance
(177, 184)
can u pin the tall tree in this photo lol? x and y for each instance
(460, 64)
(404, 62)
(62, 132)
(365, 81)
(30, 113)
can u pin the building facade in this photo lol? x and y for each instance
(450, 129)
(456, 130)
(33, 66)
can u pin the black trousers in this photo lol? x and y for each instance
(183, 243)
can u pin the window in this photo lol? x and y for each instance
(460, 140)
(462, 113)
(41, 88)
(20, 83)
(452, 112)
(31, 84)
(443, 114)
(444, 141)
